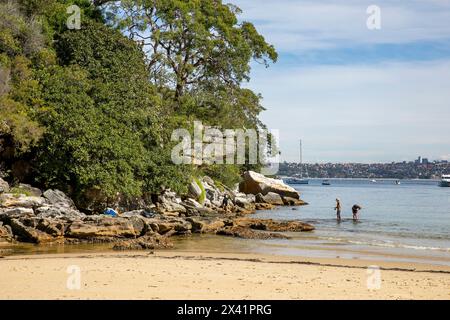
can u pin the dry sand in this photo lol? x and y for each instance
(189, 275)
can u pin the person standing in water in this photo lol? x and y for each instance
(338, 209)
(355, 210)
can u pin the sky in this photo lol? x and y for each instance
(350, 93)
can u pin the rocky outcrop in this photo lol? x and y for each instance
(102, 226)
(53, 217)
(246, 233)
(255, 183)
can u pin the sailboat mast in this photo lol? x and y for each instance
(301, 159)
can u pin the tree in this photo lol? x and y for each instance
(190, 42)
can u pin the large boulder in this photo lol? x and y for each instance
(4, 186)
(255, 183)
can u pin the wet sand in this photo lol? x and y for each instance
(196, 275)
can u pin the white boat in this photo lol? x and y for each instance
(445, 180)
(373, 180)
(397, 182)
(294, 180)
(326, 182)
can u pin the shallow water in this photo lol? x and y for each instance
(407, 222)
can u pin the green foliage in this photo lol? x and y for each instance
(92, 111)
(191, 42)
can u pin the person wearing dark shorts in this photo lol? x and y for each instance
(355, 211)
(338, 209)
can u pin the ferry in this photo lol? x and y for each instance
(445, 181)
(294, 180)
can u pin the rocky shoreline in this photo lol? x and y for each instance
(29, 215)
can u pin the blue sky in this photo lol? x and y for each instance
(354, 94)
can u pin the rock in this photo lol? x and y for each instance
(247, 233)
(273, 198)
(102, 226)
(264, 206)
(59, 212)
(192, 203)
(288, 201)
(58, 198)
(8, 200)
(149, 241)
(194, 190)
(168, 203)
(244, 202)
(28, 234)
(255, 183)
(205, 226)
(272, 225)
(52, 227)
(17, 212)
(5, 233)
(4, 186)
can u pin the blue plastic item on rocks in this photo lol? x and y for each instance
(110, 212)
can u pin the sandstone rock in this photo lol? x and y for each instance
(246, 233)
(244, 202)
(150, 241)
(264, 206)
(17, 212)
(272, 225)
(102, 226)
(58, 198)
(67, 213)
(4, 186)
(273, 198)
(288, 201)
(255, 183)
(206, 226)
(52, 227)
(8, 200)
(5, 233)
(28, 234)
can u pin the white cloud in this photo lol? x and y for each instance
(298, 25)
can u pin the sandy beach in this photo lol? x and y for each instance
(193, 275)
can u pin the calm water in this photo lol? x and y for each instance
(411, 219)
(407, 222)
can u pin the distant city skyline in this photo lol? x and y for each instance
(350, 93)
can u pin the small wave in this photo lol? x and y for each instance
(386, 244)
